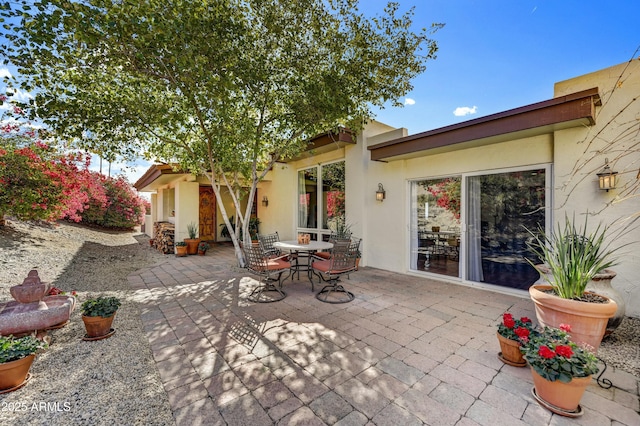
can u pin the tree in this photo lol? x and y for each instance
(223, 88)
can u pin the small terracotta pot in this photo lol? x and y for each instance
(97, 326)
(511, 352)
(14, 373)
(181, 251)
(562, 395)
(192, 245)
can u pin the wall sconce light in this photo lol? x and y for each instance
(606, 177)
(380, 193)
(265, 201)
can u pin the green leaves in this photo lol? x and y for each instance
(573, 255)
(101, 306)
(12, 348)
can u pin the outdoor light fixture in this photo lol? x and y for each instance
(607, 177)
(265, 201)
(380, 193)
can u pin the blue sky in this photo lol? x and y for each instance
(496, 55)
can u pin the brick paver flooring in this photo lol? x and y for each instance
(408, 350)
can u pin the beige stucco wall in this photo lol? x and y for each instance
(580, 153)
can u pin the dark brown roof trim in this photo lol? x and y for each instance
(575, 106)
(153, 173)
(324, 139)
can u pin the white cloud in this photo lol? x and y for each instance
(4, 72)
(18, 95)
(462, 111)
(409, 101)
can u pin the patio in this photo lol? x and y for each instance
(407, 350)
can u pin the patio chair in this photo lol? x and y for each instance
(324, 255)
(266, 243)
(343, 261)
(270, 270)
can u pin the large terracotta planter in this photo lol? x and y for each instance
(565, 396)
(192, 245)
(588, 321)
(14, 373)
(510, 352)
(97, 326)
(599, 284)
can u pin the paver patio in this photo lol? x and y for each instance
(408, 350)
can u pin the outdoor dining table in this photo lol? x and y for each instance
(294, 246)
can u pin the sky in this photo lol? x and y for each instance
(495, 55)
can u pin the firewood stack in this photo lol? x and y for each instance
(164, 232)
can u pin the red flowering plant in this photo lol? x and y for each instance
(554, 356)
(55, 291)
(515, 329)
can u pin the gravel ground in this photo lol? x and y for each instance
(106, 382)
(114, 381)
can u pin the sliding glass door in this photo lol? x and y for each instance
(484, 222)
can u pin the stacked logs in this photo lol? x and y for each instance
(164, 235)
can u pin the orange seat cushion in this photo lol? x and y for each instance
(323, 254)
(325, 265)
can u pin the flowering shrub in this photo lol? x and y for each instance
(555, 357)
(447, 195)
(39, 183)
(515, 329)
(123, 207)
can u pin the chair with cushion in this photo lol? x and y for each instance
(266, 243)
(324, 255)
(269, 269)
(343, 261)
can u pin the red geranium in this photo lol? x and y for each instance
(564, 350)
(545, 352)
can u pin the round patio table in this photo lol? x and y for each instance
(294, 246)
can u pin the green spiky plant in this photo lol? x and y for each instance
(573, 255)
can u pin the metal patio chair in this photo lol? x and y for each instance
(266, 243)
(270, 270)
(343, 261)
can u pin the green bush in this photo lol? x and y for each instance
(12, 348)
(100, 307)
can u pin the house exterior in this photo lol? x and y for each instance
(459, 200)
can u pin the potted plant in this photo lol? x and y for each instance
(98, 314)
(571, 258)
(203, 247)
(181, 249)
(193, 240)
(511, 332)
(561, 369)
(16, 357)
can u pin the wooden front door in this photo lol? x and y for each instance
(207, 225)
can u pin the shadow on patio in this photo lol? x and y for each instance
(407, 350)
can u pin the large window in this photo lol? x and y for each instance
(478, 231)
(321, 198)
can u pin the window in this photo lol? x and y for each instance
(321, 197)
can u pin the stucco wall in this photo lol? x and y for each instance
(580, 153)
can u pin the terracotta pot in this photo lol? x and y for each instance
(192, 245)
(510, 352)
(588, 321)
(181, 251)
(599, 284)
(201, 252)
(562, 395)
(97, 326)
(14, 373)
